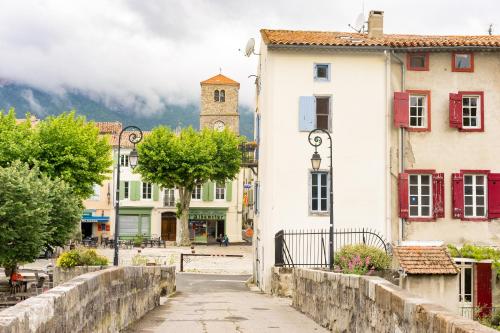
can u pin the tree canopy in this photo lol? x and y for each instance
(185, 160)
(24, 214)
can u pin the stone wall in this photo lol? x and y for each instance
(350, 303)
(103, 301)
(62, 275)
(282, 282)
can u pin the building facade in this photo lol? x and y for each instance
(414, 128)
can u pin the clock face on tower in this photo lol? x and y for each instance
(219, 126)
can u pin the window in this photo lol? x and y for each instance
(126, 190)
(196, 195)
(417, 61)
(471, 111)
(418, 111)
(220, 191)
(169, 197)
(216, 96)
(97, 192)
(322, 112)
(124, 160)
(322, 72)
(412, 110)
(314, 112)
(462, 62)
(222, 96)
(467, 111)
(147, 190)
(319, 192)
(474, 196)
(465, 284)
(420, 195)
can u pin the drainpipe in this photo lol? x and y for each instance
(401, 140)
(388, 194)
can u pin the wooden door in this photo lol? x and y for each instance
(168, 228)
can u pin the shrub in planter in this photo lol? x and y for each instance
(81, 257)
(361, 259)
(138, 240)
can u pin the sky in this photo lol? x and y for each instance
(159, 50)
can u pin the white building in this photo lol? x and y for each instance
(305, 85)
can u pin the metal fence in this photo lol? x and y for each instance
(310, 247)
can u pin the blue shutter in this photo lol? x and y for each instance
(307, 113)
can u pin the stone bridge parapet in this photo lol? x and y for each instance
(351, 303)
(104, 301)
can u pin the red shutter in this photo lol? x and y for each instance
(401, 109)
(99, 227)
(438, 194)
(483, 287)
(494, 195)
(455, 110)
(457, 187)
(403, 195)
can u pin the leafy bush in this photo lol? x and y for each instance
(81, 257)
(361, 259)
(139, 260)
(138, 240)
(478, 253)
(492, 320)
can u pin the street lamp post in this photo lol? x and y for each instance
(316, 141)
(135, 137)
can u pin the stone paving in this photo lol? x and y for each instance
(208, 303)
(171, 256)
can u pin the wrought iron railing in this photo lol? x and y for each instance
(310, 247)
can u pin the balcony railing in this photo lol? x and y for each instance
(249, 153)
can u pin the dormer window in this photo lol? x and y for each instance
(219, 96)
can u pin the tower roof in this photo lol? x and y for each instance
(220, 79)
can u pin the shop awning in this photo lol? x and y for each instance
(95, 219)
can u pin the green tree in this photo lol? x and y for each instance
(187, 159)
(71, 149)
(17, 141)
(24, 214)
(65, 212)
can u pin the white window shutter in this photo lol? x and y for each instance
(307, 113)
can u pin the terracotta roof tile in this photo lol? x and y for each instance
(108, 127)
(425, 260)
(324, 38)
(220, 79)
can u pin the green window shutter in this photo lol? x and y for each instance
(135, 191)
(205, 191)
(211, 189)
(122, 190)
(156, 193)
(229, 190)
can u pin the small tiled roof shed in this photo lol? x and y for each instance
(425, 260)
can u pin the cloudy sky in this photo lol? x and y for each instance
(161, 49)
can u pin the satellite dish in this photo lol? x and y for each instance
(360, 22)
(249, 49)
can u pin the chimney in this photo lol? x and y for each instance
(376, 24)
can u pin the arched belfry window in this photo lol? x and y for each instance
(222, 96)
(216, 96)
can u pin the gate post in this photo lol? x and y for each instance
(278, 248)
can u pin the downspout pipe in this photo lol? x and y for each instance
(401, 140)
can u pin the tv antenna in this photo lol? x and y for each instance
(250, 48)
(359, 24)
